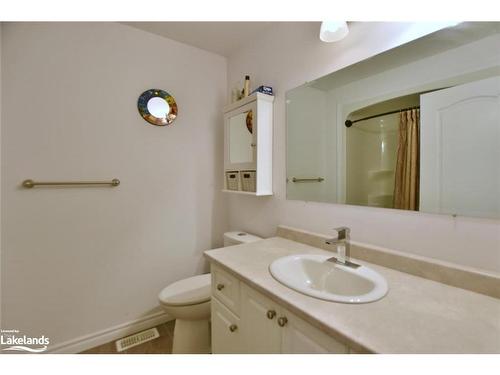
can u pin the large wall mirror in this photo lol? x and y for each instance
(415, 128)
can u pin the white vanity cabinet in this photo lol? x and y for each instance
(259, 328)
(299, 337)
(248, 145)
(263, 326)
(226, 330)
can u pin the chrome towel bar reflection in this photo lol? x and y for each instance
(314, 179)
(30, 183)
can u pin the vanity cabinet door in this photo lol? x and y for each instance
(226, 330)
(299, 337)
(260, 331)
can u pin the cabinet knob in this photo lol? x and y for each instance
(253, 144)
(282, 320)
(233, 327)
(271, 314)
(220, 286)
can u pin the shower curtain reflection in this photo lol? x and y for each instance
(406, 184)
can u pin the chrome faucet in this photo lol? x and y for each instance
(343, 245)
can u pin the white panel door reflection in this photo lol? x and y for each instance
(460, 150)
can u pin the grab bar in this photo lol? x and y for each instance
(30, 183)
(313, 179)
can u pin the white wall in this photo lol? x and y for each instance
(76, 261)
(286, 57)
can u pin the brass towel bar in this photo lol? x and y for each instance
(315, 179)
(30, 183)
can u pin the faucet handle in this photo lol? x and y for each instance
(343, 232)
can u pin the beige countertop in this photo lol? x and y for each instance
(416, 316)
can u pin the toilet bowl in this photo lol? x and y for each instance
(188, 301)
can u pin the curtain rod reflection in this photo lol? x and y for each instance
(349, 123)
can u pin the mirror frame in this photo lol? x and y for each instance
(142, 106)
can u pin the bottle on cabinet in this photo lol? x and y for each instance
(246, 87)
(237, 94)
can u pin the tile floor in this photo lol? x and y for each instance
(160, 345)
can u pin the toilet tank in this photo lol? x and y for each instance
(239, 237)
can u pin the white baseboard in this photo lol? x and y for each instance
(113, 333)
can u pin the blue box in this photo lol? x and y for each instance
(264, 90)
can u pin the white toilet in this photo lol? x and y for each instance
(188, 301)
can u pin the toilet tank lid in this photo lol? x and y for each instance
(240, 236)
(190, 291)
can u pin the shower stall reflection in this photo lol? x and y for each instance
(371, 149)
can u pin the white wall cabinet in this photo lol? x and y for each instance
(248, 145)
(264, 327)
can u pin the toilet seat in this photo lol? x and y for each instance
(191, 291)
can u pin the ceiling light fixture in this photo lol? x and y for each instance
(333, 31)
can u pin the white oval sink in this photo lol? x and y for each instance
(315, 276)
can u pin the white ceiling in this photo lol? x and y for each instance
(219, 37)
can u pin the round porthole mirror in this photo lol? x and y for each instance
(157, 107)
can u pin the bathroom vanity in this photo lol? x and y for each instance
(247, 321)
(254, 313)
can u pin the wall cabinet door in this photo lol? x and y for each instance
(260, 331)
(226, 330)
(241, 137)
(299, 337)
